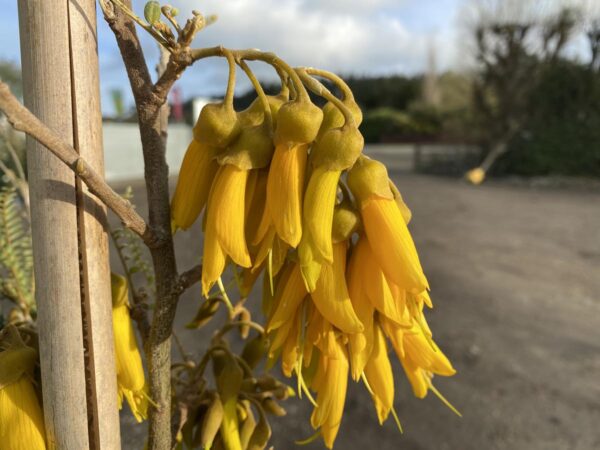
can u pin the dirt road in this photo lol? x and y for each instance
(515, 277)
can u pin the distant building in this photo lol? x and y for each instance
(192, 108)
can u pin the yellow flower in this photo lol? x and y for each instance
(420, 357)
(319, 202)
(130, 372)
(331, 293)
(475, 176)
(334, 151)
(385, 227)
(225, 224)
(360, 344)
(193, 184)
(404, 210)
(285, 188)
(288, 296)
(21, 417)
(386, 300)
(330, 383)
(380, 377)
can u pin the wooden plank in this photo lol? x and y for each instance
(98, 334)
(47, 93)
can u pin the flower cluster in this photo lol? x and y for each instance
(285, 190)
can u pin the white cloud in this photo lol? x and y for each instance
(346, 36)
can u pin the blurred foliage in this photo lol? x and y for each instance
(396, 92)
(16, 259)
(537, 111)
(12, 143)
(11, 75)
(561, 134)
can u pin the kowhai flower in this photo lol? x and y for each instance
(21, 417)
(385, 227)
(298, 123)
(343, 280)
(131, 381)
(475, 176)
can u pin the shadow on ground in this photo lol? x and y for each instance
(515, 278)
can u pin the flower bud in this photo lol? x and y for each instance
(254, 114)
(338, 148)
(218, 125)
(333, 117)
(369, 177)
(255, 350)
(247, 428)
(298, 122)
(206, 312)
(261, 435)
(252, 149)
(272, 407)
(212, 422)
(345, 222)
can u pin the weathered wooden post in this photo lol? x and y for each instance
(60, 75)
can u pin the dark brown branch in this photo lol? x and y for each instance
(23, 120)
(188, 278)
(130, 48)
(178, 62)
(150, 110)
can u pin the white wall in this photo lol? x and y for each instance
(123, 150)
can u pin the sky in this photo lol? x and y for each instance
(358, 37)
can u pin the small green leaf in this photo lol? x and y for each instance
(152, 12)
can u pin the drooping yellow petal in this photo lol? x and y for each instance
(360, 344)
(392, 244)
(230, 432)
(416, 377)
(380, 377)
(395, 334)
(251, 188)
(404, 210)
(291, 349)
(331, 395)
(331, 294)
(213, 259)
(288, 298)
(226, 212)
(309, 265)
(256, 207)
(280, 335)
(21, 418)
(426, 354)
(193, 184)
(326, 338)
(131, 381)
(130, 372)
(377, 289)
(319, 202)
(285, 188)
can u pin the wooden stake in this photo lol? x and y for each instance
(92, 224)
(70, 262)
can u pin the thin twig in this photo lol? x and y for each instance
(188, 278)
(23, 120)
